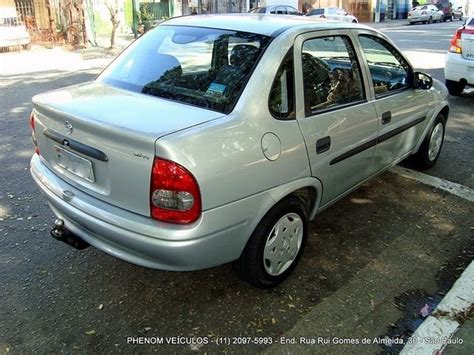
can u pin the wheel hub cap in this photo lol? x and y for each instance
(283, 244)
(435, 141)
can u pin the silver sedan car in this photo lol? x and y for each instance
(425, 14)
(216, 139)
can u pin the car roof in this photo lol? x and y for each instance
(264, 24)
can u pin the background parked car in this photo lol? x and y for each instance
(276, 9)
(457, 13)
(460, 58)
(12, 31)
(446, 8)
(333, 13)
(425, 14)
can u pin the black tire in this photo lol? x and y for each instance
(455, 88)
(444, 18)
(250, 266)
(422, 159)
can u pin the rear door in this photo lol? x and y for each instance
(401, 110)
(338, 123)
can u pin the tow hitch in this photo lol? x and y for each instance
(59, 232)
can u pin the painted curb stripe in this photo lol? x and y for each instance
(459, 190)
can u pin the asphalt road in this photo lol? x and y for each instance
(390, 237)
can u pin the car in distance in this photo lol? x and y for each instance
(276, 10)
(425, 14)
(13, 32)
(458, 14)
(446, 8)
(216, 139)
(332, 13)
(459, 66)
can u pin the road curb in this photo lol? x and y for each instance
(453, 188)
(437, 331)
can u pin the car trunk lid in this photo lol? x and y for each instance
(101, 139)
(467, 42)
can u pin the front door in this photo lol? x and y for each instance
(402, 110)
(338, 123)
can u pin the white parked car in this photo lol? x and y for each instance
(12, 31)
(425, 14)
(332, 13)
(276, 10)
(459, 68)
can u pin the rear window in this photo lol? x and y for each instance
(317, 12)
(258, 10)
(203, 67)
(470, 22)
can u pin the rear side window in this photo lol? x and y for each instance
(331, 74)
(317, 12)
(204, 67)
(282, 95)
(389, 70)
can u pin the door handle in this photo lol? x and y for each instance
(323, 145)
(386, 117)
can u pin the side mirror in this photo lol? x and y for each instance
(422, 81)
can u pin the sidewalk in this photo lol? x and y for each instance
(386, 24)
(103, 47)
(450, 326)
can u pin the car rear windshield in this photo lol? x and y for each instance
(203, 67)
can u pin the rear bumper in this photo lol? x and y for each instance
(15, 42)
(458, 68)
(218, 237)
(418, 19)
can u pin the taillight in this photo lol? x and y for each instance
(456, 42)
(33, 134)
(174, 193)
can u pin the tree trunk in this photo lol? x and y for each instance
(112, 36)
(114, 18)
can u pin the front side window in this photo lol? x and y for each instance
(203, 67)
(389, 70)
(282, 95)
(331, 74)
